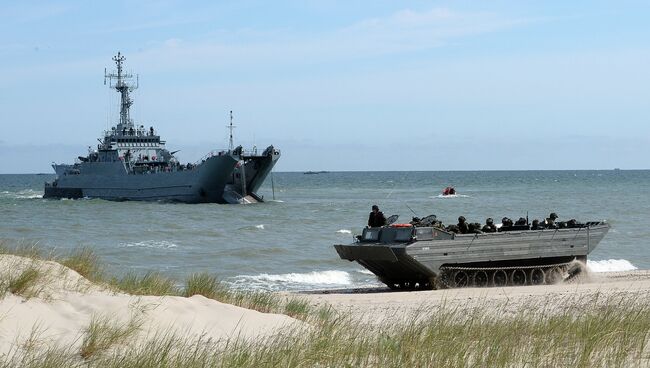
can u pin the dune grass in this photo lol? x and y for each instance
(104, 333)
(151, 283)
(297, 308)
(616, 334)
(609, 333)
(85, 262)
(25, 283)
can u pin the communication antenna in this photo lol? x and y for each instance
(120, 82)
(231, 127)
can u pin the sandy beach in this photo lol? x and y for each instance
(59, 307)
(587, 292)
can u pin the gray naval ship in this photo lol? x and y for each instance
(131, 162)
(426, 256)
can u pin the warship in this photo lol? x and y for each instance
(426, 256)
(132, 162)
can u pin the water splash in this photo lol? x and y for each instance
(344, 231)
(610, 265)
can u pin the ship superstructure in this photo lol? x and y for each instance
(131, 162)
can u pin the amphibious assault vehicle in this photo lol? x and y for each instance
(405, 256)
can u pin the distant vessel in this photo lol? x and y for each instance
(315, 172)
(132, 163)
(448, 191)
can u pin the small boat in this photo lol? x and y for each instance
(449, 191)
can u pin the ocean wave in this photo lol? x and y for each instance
(610, 265)
(344, 231)
(22, 194)
(310, 280)
(161, 244)
(253, 227)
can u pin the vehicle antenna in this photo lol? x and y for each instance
(526, 217)
(407, 206)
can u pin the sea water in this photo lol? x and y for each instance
(286, 243)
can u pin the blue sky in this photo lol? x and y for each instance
(337, 85)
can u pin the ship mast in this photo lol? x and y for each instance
(122, 86)
(231, 127)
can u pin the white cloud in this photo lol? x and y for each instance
(402, 31)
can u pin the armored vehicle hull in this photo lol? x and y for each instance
(428, 257)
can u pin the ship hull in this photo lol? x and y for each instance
(203, 184)
(248, 177)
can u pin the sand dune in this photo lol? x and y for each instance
(63, 304)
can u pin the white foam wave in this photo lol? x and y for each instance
(451, 196)
(344, 231)
(22, 194)
(294, 281)
(365, 272)
(260, 226)
(610, 265)
(162, 244)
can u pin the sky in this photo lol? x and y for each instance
(336, 85)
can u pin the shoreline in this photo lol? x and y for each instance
(588, 291)
(59, 311)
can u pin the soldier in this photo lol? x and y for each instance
(506, 222)
(376, 217)
(489, 226)
(521, 221)
(453, 229)
(536, 225)
(475, 227)
(550, 221)
(463, 228)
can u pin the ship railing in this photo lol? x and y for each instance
(221, 152)
(217, 152)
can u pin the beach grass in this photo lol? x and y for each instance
(617, 334)
(206, 285)
(104, 333)
(151, 283)
(85, 262)
(297, 308)
(612, 331)
(25, 283)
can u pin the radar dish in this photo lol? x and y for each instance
(391, 219)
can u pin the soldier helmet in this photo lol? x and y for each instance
(535, 222)
(461, 219)
(489, 221)
(504, 220)
(553, 215)
(375, 207)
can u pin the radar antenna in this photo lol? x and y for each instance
(120, 82)
(231, 127)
